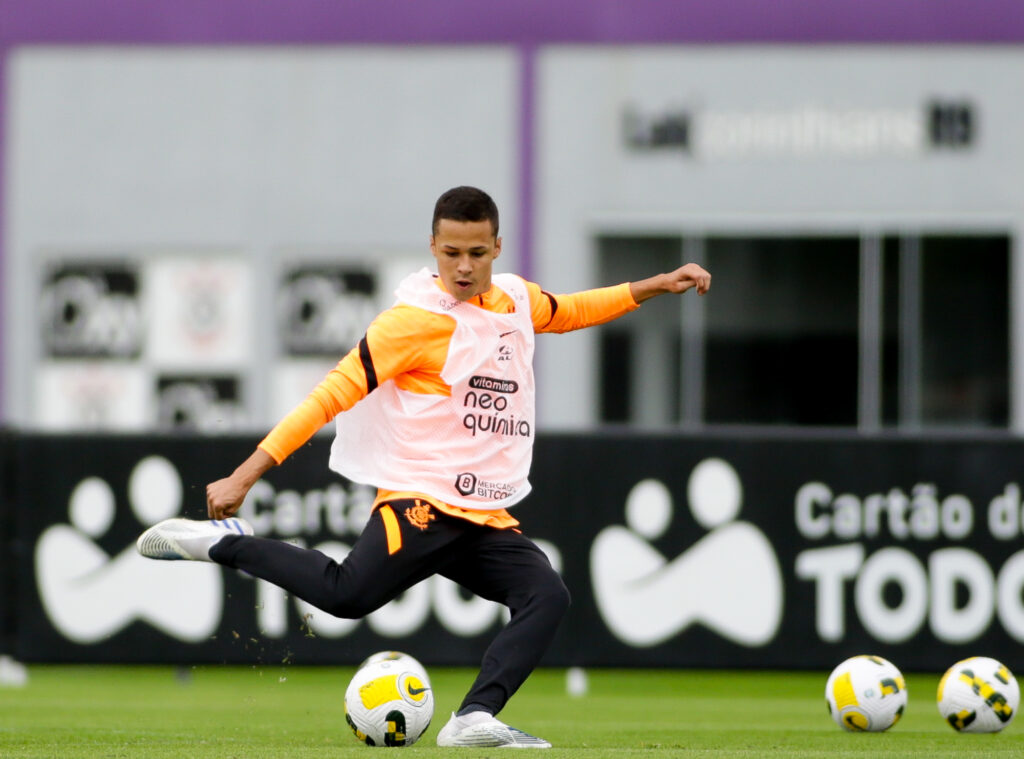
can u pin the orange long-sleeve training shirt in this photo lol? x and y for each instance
(409, 346)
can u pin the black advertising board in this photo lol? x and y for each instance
(7, 560)
(787, 552)
(730, 551)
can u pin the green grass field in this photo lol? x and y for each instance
(67, 712)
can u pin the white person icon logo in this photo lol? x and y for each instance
(729, 580)
(89, 595)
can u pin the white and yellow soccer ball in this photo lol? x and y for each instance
(389, 701)
(978, 695)
(866, 694)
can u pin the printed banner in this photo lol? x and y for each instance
(678, 551)
(200, 311)
(200, 403)
(323, 309)
(91, 310)
(92, 395)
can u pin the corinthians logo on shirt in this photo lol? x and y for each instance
(487, 408)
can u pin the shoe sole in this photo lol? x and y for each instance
(154, 543)
(503, 737)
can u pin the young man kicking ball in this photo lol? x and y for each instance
(447, 466)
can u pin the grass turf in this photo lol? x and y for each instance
(68, 712)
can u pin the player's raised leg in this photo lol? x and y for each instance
(389, 556)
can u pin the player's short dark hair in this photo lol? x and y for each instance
(465, 204)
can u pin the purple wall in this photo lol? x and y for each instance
(524, 23)
(519, 21)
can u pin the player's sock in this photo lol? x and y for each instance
(472, 714)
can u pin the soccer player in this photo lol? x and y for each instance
(434, 407)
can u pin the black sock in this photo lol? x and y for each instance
(471, 708)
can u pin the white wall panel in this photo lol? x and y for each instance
(825, 138)
(131, 152)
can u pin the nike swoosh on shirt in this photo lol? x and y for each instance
(506, 334)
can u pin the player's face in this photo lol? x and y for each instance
(465, 252)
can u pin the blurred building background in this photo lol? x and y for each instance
(205, 202)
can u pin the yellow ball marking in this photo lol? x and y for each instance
(379, 691)
(842, 691)
(855, 721)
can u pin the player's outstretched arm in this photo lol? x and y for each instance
(224, 497)
(678, 281)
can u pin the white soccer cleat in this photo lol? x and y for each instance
(481, 730)
(189, 539)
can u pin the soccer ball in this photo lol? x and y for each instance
(866, 693)
(389, 701)
(978, 695)
(397, 656)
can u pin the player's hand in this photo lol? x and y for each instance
(224, 497)
(678, 281)
(687, 276)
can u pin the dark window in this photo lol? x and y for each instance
(778, 340)
(781, 331)
(965, 341)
